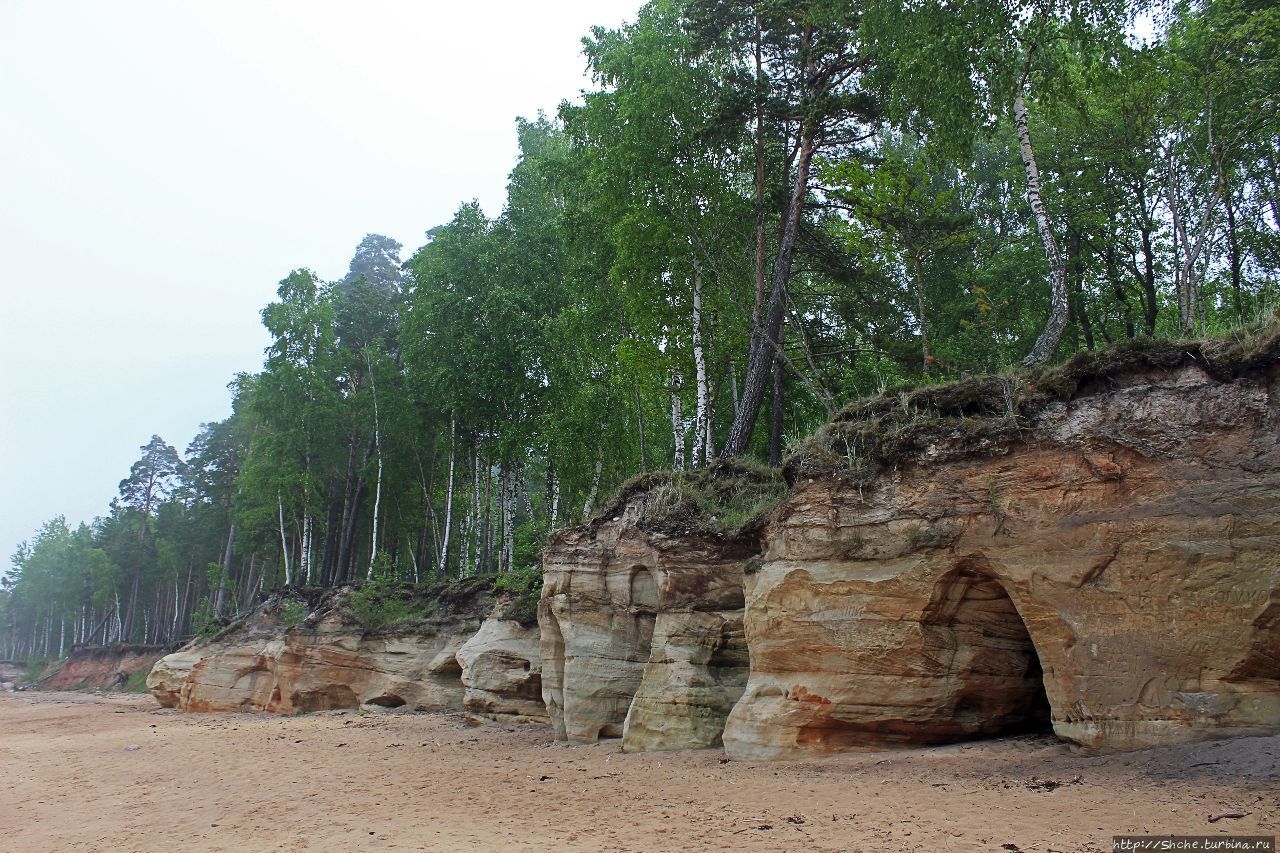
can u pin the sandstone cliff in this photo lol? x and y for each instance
(310, 651)
(501, 671)
(641, 613)
(1091, 548)
(1104, 543)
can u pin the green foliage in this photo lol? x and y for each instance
(136, 683)
(982, 415)
(205, 623)
(35, 670)
(383, 567)
(380, 604)
(545, 346)
(524, 587)
(292, 612)
(725, 498)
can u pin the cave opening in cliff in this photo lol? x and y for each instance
(987, 658)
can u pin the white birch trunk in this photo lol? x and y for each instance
(1047, 344)
(304, 568)
(478, 532)
(508, 517)
(1187, 274)
(522, 492)
(677, 423)
(464, 532)
(701, 429)
(284, 543)
(448, 500)
(555, 499)
(590, 503)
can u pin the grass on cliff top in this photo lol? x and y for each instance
(730, 497)
(986, 413)
(377, 606)
(382, 605)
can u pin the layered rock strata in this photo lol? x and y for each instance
(642, 626)
(1107, 564)
(501, 672)
(276, 659)
(1090, 549)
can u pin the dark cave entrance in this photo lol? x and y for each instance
(984, 650)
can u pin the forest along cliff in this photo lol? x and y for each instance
(1090, 548)
(443, 647)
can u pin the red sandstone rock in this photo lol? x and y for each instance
(642, 632)
(326, 662)
(103, 666)
(1118, 561)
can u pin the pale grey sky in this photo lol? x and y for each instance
(163, 164)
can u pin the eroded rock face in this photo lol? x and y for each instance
(329, 661)
(642, 633)
(502, 672)
(268, 667)
(103, 666)
(1119, 562)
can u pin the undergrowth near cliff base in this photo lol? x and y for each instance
(136, 683)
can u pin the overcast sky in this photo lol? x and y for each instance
(164, 164)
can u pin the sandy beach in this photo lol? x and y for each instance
(92, 772)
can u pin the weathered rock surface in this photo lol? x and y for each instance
(330, 661)
(1117, 556)
(502, 672)
(103, 666)
(642, 630)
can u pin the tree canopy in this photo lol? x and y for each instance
(761, 210)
